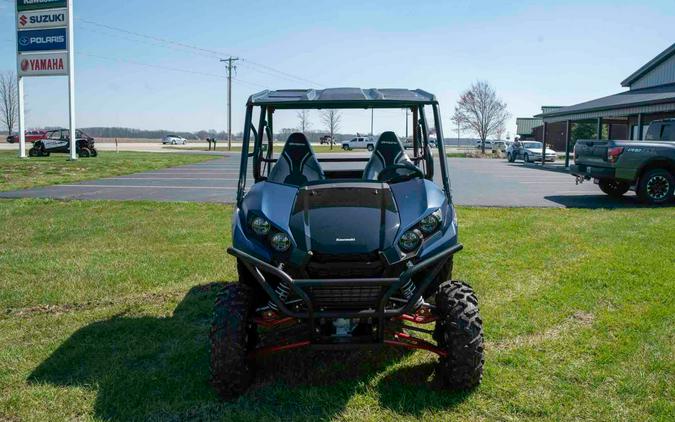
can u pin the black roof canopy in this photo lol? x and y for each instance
(342, 98)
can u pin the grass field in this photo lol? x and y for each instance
(33, 172)
(105, 309)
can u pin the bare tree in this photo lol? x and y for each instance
(481, 111)
(331, 118)
(9, 101)
(303, 117)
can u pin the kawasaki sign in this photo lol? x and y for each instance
(22, 5)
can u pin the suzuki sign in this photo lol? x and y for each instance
(42, 40)
(42, 19)
(55, 64)
(23, 5)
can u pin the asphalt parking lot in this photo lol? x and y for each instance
(475, 182)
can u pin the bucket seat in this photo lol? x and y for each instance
(297, 164)
(388, 151)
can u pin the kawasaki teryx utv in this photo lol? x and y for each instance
(335, 255)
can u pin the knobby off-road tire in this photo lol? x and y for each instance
(656, 187)
(459, 332)
(232, 337)
(614, 188)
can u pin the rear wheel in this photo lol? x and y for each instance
(614, 188)
(459, 332)
(233, 336)
(94, 153)
(527, 158)
(32, 152)
(656, 187)
(84, 153)
(510, 157)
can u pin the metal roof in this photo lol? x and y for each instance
(650, 65)
(623, 100)
(342, 98)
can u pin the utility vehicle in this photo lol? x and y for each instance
(58, 141)
(344, 251)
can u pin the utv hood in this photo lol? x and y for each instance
(344, 218)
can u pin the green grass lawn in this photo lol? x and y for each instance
(105, 309)
(41, 171)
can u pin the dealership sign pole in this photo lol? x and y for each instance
(45, 47)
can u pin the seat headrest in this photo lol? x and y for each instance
(297, 147)
(389, 147)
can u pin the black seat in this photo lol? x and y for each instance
(388, 151)
(297, 163)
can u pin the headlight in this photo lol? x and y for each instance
(410, 240)
(260, 226)
(280, 242)
(430, 223)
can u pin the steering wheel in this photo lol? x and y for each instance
(400, 172)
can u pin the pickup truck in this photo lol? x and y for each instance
(360, 142)
(647, 166)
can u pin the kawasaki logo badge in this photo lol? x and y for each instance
(340, 239)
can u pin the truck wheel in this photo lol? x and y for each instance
(371, 147)
(527, 158)
(84, 153)
(614, 188)
(232, 336)
(510, 157)
(656, 187)
(459, 332)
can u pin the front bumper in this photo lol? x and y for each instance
(389, 286)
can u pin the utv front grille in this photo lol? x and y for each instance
(345, 266)
(345, 297)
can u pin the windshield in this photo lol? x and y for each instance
(296, 153)
(532, 145)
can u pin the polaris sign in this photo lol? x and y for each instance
(43, 19)
(42, 40)
(23, 5)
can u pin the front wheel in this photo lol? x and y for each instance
(233, 336)
(656, 187)
(459, 332)
(32, 152)
(94, 153)
(527, 158)
(370, 148)
(511, 158)
(614, 188)
(84, 153)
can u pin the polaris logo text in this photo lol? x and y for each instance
(47, 40)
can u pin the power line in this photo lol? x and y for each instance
(204, 51)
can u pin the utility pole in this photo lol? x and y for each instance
(372, 110)
(406, 123)
(230, 67)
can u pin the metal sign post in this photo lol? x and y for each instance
(45, 47)
(71, 83)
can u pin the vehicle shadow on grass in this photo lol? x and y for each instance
(158, 368)
(602, 201)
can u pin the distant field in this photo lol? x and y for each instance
(277, 147)
(105, 310)
(41, 171)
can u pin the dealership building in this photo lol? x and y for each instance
(626, 115)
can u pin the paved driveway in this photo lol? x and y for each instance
(475, 182)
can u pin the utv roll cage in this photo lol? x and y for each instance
(338, 98)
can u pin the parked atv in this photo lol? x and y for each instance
(58, 141)
(346, 258)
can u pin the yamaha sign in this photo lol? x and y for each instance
(42, 19)
(54, 64)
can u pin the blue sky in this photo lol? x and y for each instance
(533, 52)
